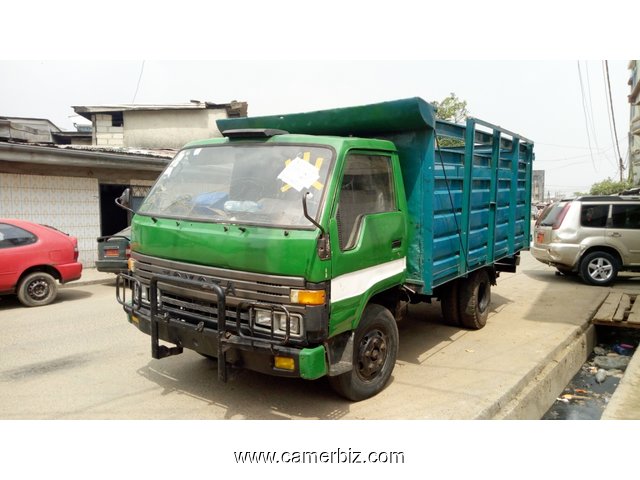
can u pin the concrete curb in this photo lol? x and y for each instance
(531, 402)
(625, 401)
(84, 283)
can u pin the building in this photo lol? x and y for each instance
(50, 177)
(537, 186)
(41, 130)
(157, 126)
(634, 122)
(73, 188)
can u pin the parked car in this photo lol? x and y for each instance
(592, 236)
(114, 251)
(33, 258)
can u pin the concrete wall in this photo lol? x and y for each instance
(70, 204)
(28, 130)
(169, 128)
(104, 133)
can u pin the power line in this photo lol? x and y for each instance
(606, 97)
(138, 85)
(586, 119)
(613, 119)
(593, 124)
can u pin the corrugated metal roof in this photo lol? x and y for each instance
(164, 153)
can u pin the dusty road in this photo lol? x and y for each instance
(79, 359)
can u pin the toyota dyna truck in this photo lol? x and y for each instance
(293, 244)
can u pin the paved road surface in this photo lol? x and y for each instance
(79, 359)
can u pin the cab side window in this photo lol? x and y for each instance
(594, 216)
(11, 236)
(626, 216)
(367, 188)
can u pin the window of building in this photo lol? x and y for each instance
(117, 119)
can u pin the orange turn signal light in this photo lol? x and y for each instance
(308, 297)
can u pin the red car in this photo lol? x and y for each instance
(32, 258)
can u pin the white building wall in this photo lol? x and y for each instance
(70, 204)
(169, 128)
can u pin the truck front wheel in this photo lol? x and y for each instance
(375, 349)
(474, 297)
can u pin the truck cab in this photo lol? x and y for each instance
(293, 229)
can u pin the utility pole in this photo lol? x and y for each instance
(613, 118)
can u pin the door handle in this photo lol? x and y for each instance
(615, 234)
(397, 243)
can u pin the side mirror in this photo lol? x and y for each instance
(124, 200)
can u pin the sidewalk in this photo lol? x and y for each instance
(91, 276)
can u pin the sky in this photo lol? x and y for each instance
(562, 105)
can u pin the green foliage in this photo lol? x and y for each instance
(451, 109)
(609, 187)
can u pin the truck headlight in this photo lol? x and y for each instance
(263, 319)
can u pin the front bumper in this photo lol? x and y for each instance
(230, 346)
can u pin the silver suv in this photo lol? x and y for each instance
(593, 236)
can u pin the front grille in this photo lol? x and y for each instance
(194, 305)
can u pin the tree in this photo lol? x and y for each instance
(451, 109)
(609, 187)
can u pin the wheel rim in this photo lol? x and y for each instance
(372, 354)
(600, 269)
(38, 289)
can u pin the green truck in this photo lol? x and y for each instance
(293, 244)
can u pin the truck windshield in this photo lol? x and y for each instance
(251, 184)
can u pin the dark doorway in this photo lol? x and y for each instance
(113, 217)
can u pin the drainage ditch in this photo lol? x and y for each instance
(589, 391)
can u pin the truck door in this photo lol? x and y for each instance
(624, 232)
(367, 229)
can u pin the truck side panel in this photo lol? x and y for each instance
(468, 200)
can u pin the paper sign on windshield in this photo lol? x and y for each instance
(299, 174)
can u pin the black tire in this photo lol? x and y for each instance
(474, 298)
(37, 289)
(599, 268)
(566, 271)
(375, 348)
(449, 304)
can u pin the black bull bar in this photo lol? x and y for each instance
(223, 339)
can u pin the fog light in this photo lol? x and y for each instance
(284, 363)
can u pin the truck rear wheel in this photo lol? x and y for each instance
(375, 349)
(474, 297)
(449, 304)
